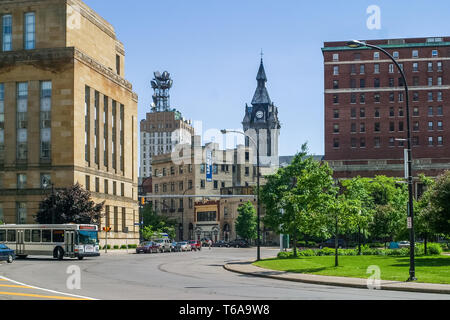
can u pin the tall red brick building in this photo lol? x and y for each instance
(365, 107)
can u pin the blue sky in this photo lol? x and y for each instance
(212, 50)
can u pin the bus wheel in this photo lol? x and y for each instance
(59, 253)
(80, 258)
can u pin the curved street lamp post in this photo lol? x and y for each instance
(360, 44)
(258, 255)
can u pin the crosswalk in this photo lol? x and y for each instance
(13, 290)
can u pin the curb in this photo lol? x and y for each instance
(246, 267)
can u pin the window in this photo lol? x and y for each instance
(335, 56)
(439, 96)
(216, 184)
(377, 127)
(400, 97)
(21, 181)
(430, 125)
(30, 30)
(362, 128)
(439, 81)
(353, 142)
(391, 68)
(376, 68)
(415, 141)
(206, 216)
(376, 97)
(2, 122)
(430, 81)
(88, 183)
(400, 112)
(430, 111)
(416, 96)
(106, 186)
(400, 126)
(117, 64)
(46, 179)
(415, 67)
(416, 111)
(357, 56)
(353, 128)
(362, 98)
(377, 142)
(35, 235)
(353, 113)
(202, 168)
(122, 189)
(22, 121)
(362, 69)
(376, 55)
(362, 142)
(391, 126)
(430, 141)
(335, 98)
(439, 66)
(440, 141)
(180, 186)
(336, 70)
(352, 83)
(416, 126)
(430, 96)
(335, 84)
(415, 81)
(376, 82)
(377, 112)
(46, 236)
(415, 53)
(7, 32)
(395, 55)
(400, 82)
(434, 53)
(353, 98)
(335, 116)
(391, 142)
(335, 130)
(202, 184)
(45, 127)
(353, 69)
(440, 125)
(391, 112)
(391, 96)
(439, 111)
(21, 215)
(430, 66)
(336, 143)
(362, 113)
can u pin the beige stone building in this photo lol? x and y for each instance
(67, 114)
(180, 180)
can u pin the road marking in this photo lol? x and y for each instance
(39, 296)
(14, 286)
(52, 291)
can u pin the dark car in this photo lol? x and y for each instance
(331, 244)
(221, 244)
(6, 254)
(238, 244)
(195, 245)
(147, 247)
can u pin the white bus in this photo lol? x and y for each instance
(59, 241)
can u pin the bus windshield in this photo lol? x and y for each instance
(87, 237)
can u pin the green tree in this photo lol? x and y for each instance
(439, 205)
(246, 224)
(69, 205)
(423, 214)
(296, 197)
(155, 224)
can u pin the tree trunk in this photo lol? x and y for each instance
(336, 244)
(359, 240)
(426, 244)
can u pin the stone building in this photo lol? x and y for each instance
(67, 113)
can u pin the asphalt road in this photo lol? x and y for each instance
(168, 276)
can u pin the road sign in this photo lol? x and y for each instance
(409, 223)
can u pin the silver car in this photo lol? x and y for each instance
(165, 245)
(183, 246)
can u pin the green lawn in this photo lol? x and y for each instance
(430, 269)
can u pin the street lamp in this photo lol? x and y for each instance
(412, 271)
(45, 184)
(258, 255)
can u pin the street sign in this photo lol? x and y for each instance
(409, 223)
(209, 174)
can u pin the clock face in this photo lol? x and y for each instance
(259, 114)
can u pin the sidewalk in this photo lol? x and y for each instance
(246, 267)
(117, 251)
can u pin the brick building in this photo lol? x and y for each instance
(365, 108)
(66, 112)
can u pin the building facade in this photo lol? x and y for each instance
(67, 113)
(163, 128)
(365, 107)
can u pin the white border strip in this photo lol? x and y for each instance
(48, 290)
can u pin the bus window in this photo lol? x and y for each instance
(58, 236)
(46, 236)
(2, 235)
(11, 236)
(27, 235)
(36, 235)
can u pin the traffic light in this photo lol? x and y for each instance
(143, 201)
(107, 229)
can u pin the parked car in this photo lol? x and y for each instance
(173, 246)
(195, 244)
(239, 244)
(147, 247)
(205, 242)
(6, 254)
(221, 244)
(183, 246)
(331, 244)
(404, 244)
(164, 245)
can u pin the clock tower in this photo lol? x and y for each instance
(261, 119)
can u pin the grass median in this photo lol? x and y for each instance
(429, 269)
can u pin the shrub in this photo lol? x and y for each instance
(285, 255)
(307, 253)
(116, 247)
(107, 247)
(132, 246)
(434, 249)
(325, 252)
(123, 246)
